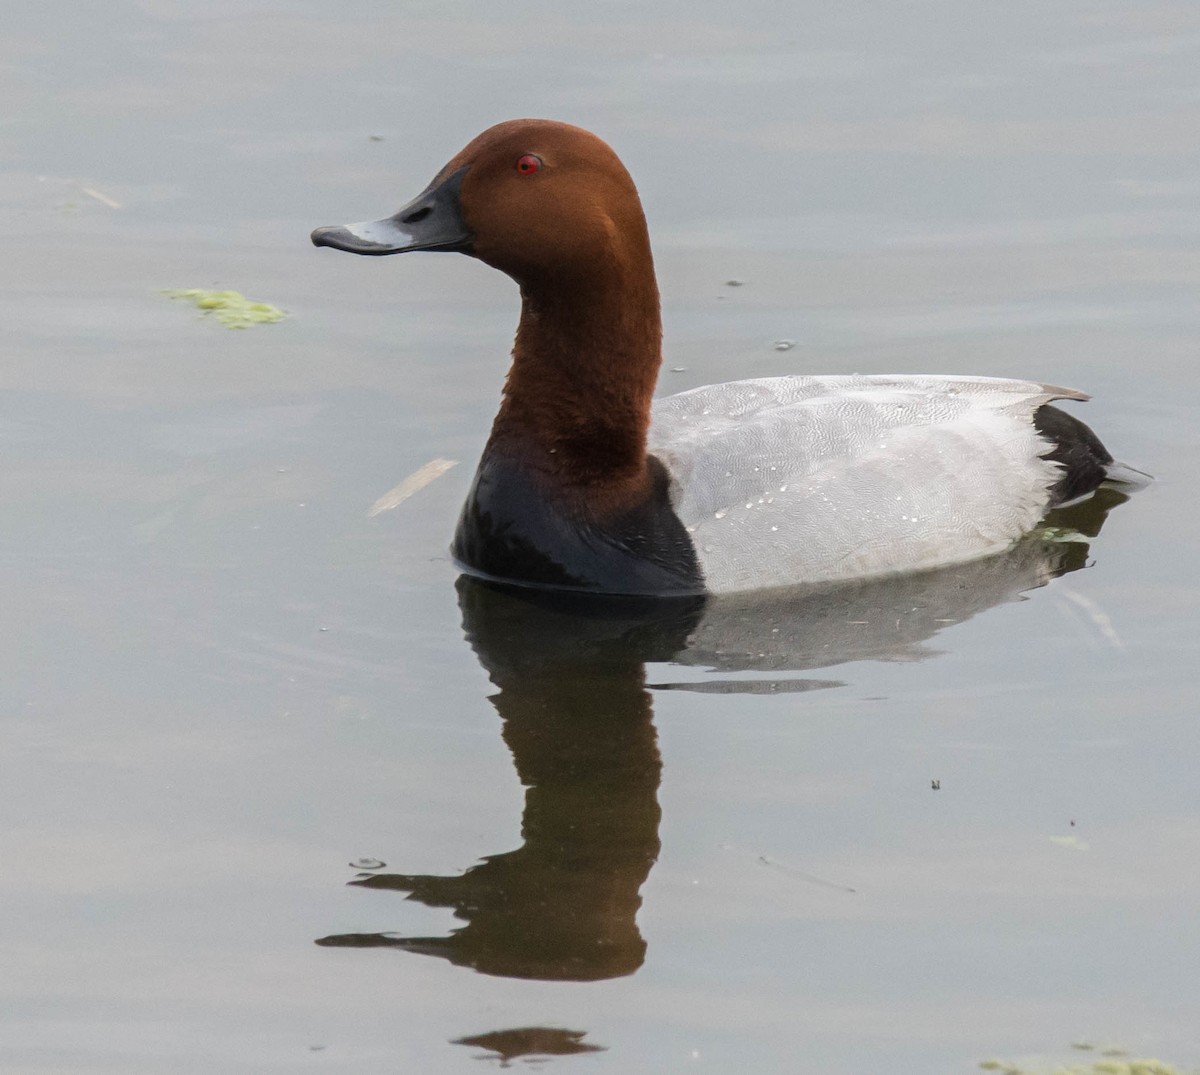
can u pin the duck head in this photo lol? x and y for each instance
(536, 199)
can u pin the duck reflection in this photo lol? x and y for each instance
(576, 712)
(577, 717)
(533, 1043)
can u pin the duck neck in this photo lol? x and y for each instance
(576, 405)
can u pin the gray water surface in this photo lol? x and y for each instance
(279, 793)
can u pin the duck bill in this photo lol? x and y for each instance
(431, 221)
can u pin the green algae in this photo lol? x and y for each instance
(1061, 535)
(231, 308)
(1072, 843)
(1110, 1065)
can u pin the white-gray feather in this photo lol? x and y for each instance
(789, 480)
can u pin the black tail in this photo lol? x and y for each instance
(1077, 450)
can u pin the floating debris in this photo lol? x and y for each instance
(231, 308)
(1130, 1066)
(414, 483)
(1061, 535)
(812, 878)
(103, 199)
(1072, 843)
(784, 345)
(734, 283)
(368, 864)
(1093, 613)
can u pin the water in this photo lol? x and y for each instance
(263, 756)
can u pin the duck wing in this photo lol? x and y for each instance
(786, 480)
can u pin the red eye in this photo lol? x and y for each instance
(528, 164)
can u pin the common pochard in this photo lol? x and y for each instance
(589, 483)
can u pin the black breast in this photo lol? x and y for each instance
(513, 529)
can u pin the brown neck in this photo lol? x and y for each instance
(576, 403)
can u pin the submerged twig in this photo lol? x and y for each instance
(103, 199)
(414, 483)
(1094, 615)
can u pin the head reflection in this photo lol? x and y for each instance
(576, 713)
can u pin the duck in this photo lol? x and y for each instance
(589, 483)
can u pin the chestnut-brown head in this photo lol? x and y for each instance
(537, 199)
